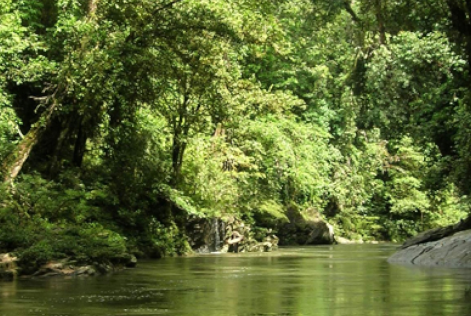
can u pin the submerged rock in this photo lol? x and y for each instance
(452, 251)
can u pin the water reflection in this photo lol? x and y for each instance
(335, 281)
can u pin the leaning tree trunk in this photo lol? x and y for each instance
(14, 162)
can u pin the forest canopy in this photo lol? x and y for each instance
(120, 119)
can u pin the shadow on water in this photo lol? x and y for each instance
(326, 280)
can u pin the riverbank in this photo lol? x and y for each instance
(10, 270)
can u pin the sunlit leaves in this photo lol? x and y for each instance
(412, 78)
(222, 107)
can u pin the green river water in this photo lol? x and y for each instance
(343, 280)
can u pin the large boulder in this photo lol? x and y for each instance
(437, 233)
(452, 251)
(305, 227)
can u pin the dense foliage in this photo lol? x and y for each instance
(119, 119)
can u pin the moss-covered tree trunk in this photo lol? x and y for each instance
(14, 162)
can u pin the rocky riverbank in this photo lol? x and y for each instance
(9, 268)
(227, 235)
(445, 247)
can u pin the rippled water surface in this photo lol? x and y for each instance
(327, 280)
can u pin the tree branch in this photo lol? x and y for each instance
(348, 7)
(166, 6)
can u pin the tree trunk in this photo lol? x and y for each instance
(380, 20)
(178, 150)
(14, 162)
(80, 145)
(461, 23)
(92, 6)
(54, 166)
(348, 7)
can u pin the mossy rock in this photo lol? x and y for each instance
(305, 227)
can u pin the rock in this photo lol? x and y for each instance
(122, 260)
(85, 270)
(372, 242)
(81, 270)
(7, 261)
(8, 275)
(61, 267)
(67, 267)
(429, 235)
(235, 238)
(91, 271)
(202, 249)
(224, 249)
(321, 233)
(273, 241)
(306, 227)
(344, 241)
(205, 235)
(446, 246)
(222, 235)
(267, 246)
(103, 268)
(438, 233)
(8, 267)
(452, 251)
(132, 262)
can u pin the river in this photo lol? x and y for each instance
(342, 280)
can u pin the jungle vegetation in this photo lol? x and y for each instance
(120, 119)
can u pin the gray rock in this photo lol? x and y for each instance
(84, 270)
(438, 233)
(453, 251)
